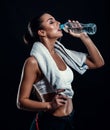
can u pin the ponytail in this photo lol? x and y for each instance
(33, 26)
(28, 39)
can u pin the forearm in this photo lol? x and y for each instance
(31, 105)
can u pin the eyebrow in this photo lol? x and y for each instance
(49, 19)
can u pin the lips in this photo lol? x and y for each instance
(59, 29)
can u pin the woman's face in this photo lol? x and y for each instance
(51, 26)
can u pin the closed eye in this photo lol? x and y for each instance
(51, 20)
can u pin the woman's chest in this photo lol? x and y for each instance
(59, 62)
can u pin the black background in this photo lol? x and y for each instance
(91, 99)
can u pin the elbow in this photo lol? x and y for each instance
(19, 104)
(95, 64)
(100, 64)
(103, 63)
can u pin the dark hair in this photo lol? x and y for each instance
(33, 26)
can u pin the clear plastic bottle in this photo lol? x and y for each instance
(89, 28)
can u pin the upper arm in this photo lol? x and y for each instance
(28, 77)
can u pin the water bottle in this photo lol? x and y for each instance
(89, 28)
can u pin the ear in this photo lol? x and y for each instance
(41, 33)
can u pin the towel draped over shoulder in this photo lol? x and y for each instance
(74, 59)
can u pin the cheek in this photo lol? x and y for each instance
(52, 31)
(51, 28)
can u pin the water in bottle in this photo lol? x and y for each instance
(89, 28)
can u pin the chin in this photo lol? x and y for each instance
(60, 35)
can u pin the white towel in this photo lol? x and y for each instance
(48, 66)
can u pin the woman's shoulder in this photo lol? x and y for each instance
(31, 62)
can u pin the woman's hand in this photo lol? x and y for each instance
(58, 100)
(76, 30)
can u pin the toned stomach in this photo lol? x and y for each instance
(64, 110)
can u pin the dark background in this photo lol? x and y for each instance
(91, 99)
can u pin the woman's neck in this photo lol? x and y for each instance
(49, 44)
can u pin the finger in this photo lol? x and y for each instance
(74, 24)
(61, 101)
(63, 97)
(60, 90)
(78, 24)
(69, 20)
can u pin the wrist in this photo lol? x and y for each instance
(84, 36)
(48, 106)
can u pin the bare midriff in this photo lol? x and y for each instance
(64, 110)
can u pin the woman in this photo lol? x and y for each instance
(47, 71)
